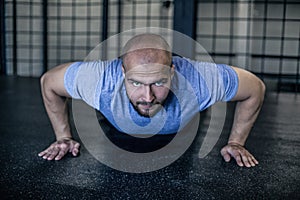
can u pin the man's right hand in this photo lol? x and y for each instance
(60, 148)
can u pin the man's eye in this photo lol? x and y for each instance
(136, 84)
(160, 83)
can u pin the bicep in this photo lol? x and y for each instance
(249, 85)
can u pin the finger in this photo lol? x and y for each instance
(254, 160)
(60, 154)
(45, 154)
(52, 153)
(245, 160)
(226, 156)
(239, 156)
(75, 150)
(238, 160)
(62, 150)
(251, 161)
(42, 153)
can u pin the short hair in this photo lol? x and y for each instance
(146, 41)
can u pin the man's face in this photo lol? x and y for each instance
(147, 83)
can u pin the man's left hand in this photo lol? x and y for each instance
(240, 154)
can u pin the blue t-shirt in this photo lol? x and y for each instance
(195, 86)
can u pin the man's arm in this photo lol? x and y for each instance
(249, 97)
(55, 101)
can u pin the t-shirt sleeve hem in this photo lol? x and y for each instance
(234, 84)
(69, 78)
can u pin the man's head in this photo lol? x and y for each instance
(148, 70)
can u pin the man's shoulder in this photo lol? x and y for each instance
(108, 63)
(95, 70)
(178, 59)
(184, 62)
(98, 67)
(184, 65)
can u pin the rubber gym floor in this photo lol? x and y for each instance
(25, 130)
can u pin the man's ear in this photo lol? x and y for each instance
(123, 70)
(172, 70)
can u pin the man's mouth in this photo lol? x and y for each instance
(147, 109)
(145, 105)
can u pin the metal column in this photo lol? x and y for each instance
(45, 35)
(2, 38)
(185, 22)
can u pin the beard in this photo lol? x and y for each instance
(151, 108)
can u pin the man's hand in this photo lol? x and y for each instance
(60, 148)
(240, 154)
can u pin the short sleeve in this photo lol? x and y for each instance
(81, 80)
(219, 80)
(230, 81)
(69, 78)
(211, 82)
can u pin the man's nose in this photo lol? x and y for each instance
(148, 95)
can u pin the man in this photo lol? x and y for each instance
(146, 84)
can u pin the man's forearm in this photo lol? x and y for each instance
(58, 115)
(246, 113)
(242, 124)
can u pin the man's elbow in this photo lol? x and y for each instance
(257, 95)
(45, 83)
(53, 81)
(261, 90)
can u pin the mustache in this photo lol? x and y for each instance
(144, 103)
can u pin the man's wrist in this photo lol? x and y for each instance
(235, 143)
(64, 138)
